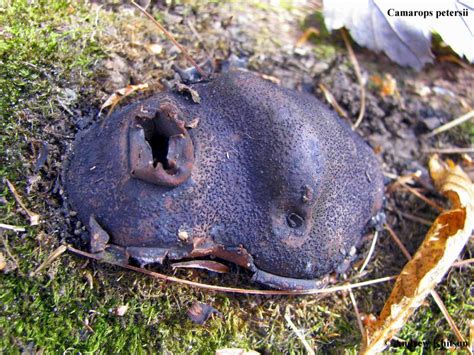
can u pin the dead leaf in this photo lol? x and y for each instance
(120, 94)
(199, 312)
(121, 310)
(405, 42)
(440, 249)
(203, 264)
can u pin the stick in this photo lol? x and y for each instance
(157, 275)
(171, 38)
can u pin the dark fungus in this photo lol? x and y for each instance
(269, 179)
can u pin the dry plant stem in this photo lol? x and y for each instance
(171, 38)
(463, 262)
(363, 332)
(415, 218)
(53, 256)
(12, 228)
(371, 251)
(34, 217)
(299, 334)
(433, 293)
(422, 197)
(355, 63)
(157, 275)
(456, 122)
(453, 150)
(332, 101)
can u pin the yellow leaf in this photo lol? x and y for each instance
(441, 247)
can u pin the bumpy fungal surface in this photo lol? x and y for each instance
(262, 176)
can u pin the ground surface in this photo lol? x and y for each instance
(59, 61)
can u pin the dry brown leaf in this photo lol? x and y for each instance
(440, 249)
(120, 94)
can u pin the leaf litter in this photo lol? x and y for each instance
(443, 243)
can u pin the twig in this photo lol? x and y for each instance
(198, 37)
(447, 316)
(53, 256)
(12, 228)
(433, 293)
(422, 197)
(34, 217)
(414, 218)
(299, 334)
(363, 332)
(464, 118)
(171, 38)
(332, 101)
(157, 275)
(356, 66)
(453, 150)
(371, 250)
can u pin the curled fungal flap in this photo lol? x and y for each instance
(160, 148)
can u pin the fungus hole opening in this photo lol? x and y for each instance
(158, 141)
(294, 220)
(159, 149)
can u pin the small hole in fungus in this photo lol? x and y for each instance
(294, 220)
